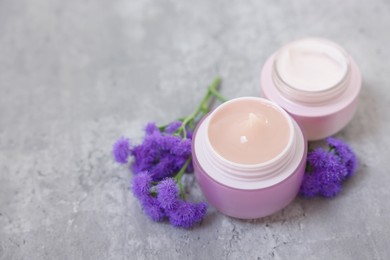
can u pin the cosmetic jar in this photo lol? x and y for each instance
(249, 157)
(316, 81)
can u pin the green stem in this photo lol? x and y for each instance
(202, 109)
(182, 192)
(182, 170)
(216, 93)
(203, 106)
(178, 176)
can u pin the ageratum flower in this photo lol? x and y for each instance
(187, 214)
(180, 213)
(167, 203)
(345, 153)
(159, 163)
(142, 183)
(141, 186)
(168, 194)
(121, 150)
(151, 207)
(309, 187)
(161, 154)
(327, 169)
(173, 127)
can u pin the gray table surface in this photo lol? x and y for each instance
(75, 75)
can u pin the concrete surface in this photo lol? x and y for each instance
(75, 75)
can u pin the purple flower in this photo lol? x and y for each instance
(165, 152)
(162, 155)
(167, 203)
(172, 127)
(187, 214)
(320, 160)
(159, 157)
(121, 150)
(309, 187)
(324, 174)
(181, 214)
(182, 148)
(151, 128)
(317, 158)
(167, 194)
(168, 142)
(329, 182)
(345, 153)
(141, 185)
(330, 189)
(190, 168)
(152, 208)
(190, 133)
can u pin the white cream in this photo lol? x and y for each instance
(311, 65)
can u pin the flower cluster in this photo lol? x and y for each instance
(162, 154)
(166, 202)
(326, 170)
(159, 163)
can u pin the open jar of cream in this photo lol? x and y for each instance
(316, 82)
(249, 157)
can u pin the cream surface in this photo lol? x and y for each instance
(311, 64)
(248, 131)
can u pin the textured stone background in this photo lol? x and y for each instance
(77, 74)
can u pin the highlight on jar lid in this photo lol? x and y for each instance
(249, 157)
(316, 81)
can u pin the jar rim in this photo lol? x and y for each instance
(247, 180)
(256, 166)
(312, 96)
